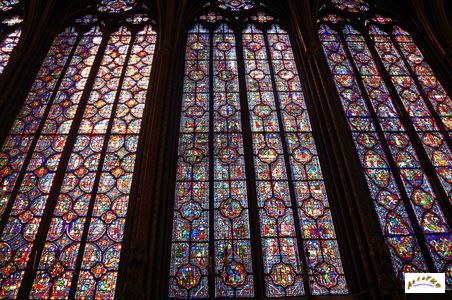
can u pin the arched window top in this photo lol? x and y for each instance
(235, 5)
(335, 12)
(260, 16)
(138, 16)
(6, 5)
(116, 6)
(351, 6)
(381, 20)
(251, 210)
(256, 13)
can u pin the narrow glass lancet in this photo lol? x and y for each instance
(386, 196)
(22, 224)
(416, 106)
(18, 143)
(280, 247)
(370, 107)
(289, 179)
(431, 86)
(86, 132)
(316, 220)
(233, 262)
(215, 198)
(190, 241)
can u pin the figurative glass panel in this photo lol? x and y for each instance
(212, 232)
(416, 105)
(398, 114)
(190, 239)
(290, 187)
(87, 134)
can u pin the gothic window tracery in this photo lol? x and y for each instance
(398, 114)
(67, 165)
(10, 30)
(250, 199)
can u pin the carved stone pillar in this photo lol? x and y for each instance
(147, 254)
(433, 17)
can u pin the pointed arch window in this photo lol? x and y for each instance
(399, 116)
(67, 165)
(10, 29)
(251, 211)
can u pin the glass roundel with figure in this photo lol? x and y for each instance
(67, 165)
(250, 202)
(399, 116)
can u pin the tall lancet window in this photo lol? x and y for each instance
(251, 211)
(66, 168)
(10, 29)
(400, 119)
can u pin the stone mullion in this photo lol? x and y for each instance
(146, 270)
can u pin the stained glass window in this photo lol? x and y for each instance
(70, 158)
(236, 5)
(237, 93)
(399, 117)
(352, 6)
(10, 30)
(116, 6)
(6, 5)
